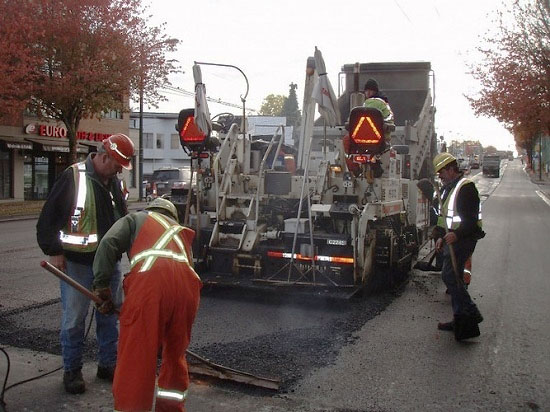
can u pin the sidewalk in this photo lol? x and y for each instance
(47, 393)
(31, 209)
(542, 181)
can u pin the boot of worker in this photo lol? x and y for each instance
(466, 327)
(73, 381)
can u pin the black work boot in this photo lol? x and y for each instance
(466, 327)
(446, 326)
(74, 382)
(106, 373)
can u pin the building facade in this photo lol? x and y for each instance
(34, 152)
(161, 141)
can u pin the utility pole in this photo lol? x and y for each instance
(140, 156)
(540, 155)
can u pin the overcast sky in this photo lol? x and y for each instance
(271, 40)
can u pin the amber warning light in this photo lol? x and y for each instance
(190, 135)
(365, 131)
(366, 127)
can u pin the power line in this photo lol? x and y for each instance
(188, 93)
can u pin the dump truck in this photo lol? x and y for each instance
(345, 215)
(491, 165)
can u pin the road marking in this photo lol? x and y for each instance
(543, 197)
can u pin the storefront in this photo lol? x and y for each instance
(33, 153)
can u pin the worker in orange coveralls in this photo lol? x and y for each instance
(162, 293)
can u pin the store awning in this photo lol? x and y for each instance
(15, 143)
(57, 145)
(90, 143)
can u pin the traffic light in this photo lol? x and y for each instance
(190, 136)
(366, 130)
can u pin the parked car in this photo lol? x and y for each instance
(168, 178)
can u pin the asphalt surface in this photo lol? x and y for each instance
(382, 354)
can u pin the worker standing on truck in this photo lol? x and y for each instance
(162, 293)
(83, 204)
(460, 219)
(377, 100)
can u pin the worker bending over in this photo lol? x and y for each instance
(162, 293)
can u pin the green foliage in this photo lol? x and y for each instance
(272, 105)
(290, 107)
(515, 71)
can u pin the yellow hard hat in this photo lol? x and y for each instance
(164, 204)
(442, 160)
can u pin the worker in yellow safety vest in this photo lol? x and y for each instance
(460, 220)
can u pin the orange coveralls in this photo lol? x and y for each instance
(162, 293)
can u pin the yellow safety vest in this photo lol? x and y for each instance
(449, 218)
(80, 232)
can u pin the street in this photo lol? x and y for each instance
(380, 353)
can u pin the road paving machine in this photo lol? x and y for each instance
(337, 210)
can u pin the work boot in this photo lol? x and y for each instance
(476, 316)
(446, 326)
(106, 373)
(466, 327)
(73, 381)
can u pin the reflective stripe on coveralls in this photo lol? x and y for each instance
(151, 255)
(171, 394)
(73, 237)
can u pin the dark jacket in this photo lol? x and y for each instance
(59, 207)
(467, 207)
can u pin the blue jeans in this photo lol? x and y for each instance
(460, 298)
(73, 321)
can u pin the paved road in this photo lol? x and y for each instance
(396, 361)
(400, 362)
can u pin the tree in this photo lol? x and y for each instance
(272, 105)
(290, 107)
(515, 73)
(18, 61)
(87, 58)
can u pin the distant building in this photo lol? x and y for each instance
(161, 143)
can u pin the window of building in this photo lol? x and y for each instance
(35, 177)
(160, 141)
(112, 114)
(5, 174)
(148, 140)
(174, 141)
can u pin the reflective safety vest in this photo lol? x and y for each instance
(80, 232)
(160, 239)
(449, 218)
(382, 105)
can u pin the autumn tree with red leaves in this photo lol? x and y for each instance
(515, 72)
(77, 58)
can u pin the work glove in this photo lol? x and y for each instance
(106, 306)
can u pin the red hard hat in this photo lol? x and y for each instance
(120, 147)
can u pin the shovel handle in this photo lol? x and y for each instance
(65, 278)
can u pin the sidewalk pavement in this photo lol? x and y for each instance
(132, 206)
(47, 393)
(542, 181)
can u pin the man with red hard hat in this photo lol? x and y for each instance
(85, 201)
